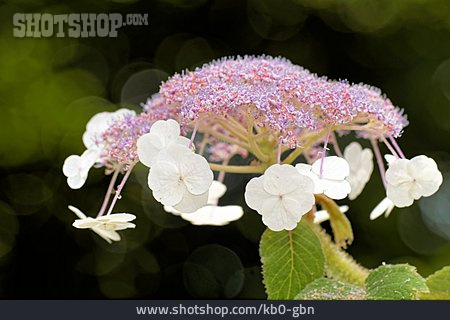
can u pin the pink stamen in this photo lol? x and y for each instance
(380, 162)
(108, 193)
(119, 189)
(397, 147)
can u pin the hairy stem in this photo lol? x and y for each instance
(339, 264)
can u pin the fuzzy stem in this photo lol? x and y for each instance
(339, 264)
(108, 193)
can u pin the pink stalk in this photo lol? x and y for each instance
(336, 146)
(388, 145)
(279, 153)
(108, 193)
(324, 151)
(119, 189)
(193, 135)
(397, 147)
(380, 162)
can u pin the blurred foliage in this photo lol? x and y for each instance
(50, 87)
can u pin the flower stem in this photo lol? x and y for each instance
(237, 169)
(380, 162)
(388, 145)
(108, 193)
(224, 138)
(119, 189)
(339, 264)
(397, 147)
(324, 152)
(298, 151)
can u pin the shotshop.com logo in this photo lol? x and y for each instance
(73, 25)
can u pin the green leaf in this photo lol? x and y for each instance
(327, 289)
(290, 260)
(395, 282)
(439, 285)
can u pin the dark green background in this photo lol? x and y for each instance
(49, 88)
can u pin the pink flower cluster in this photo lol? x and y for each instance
(277, 94)
(119, 140)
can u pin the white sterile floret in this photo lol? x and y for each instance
(211, 214)
(281, 195)
(99, 123)
(76, 168)
(409, 180)
(333, 182)
(162, 135)
(104, 226)
(384, 207)
(361, 167)
(323, 215)
(180, 178)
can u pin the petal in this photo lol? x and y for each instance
(172, 210)
(303, 168)
(216, 191)
(78, 212)
(390, 158)
(71, 166)
(336, 190)
(108, 235)
(321, 216)
(280, 179)
(164, 181)
(148, 148)
(400, 195)
(255, 193)
(117, 217)
(190, 203)
(385, 205)
(334, 168)
(427, 176)
(352, 154)
(168, 131)
(397, 173)
(275, 215)
(183, 141)
(196, 173)
(123, 226)
(86, 223)
(88, 158)
(214, 215)
(302, 198)
(76, 182)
